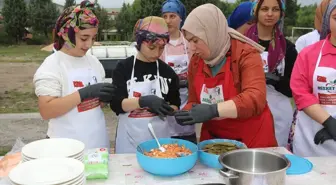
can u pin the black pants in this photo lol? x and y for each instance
(192, 138)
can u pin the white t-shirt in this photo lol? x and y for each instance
(48, 79)
(306, 40)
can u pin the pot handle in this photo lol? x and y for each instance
(225, 173)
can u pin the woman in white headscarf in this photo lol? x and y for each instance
(226, 60)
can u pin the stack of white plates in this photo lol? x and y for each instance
(48, 171)
(56, 147)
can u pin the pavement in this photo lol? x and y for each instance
(31, 127)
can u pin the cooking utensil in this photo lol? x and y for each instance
(150, 127)
(135, 143)
(253, 167)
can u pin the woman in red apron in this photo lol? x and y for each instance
(227, 90)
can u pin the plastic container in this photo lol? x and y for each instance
(167, 166)
(211, 160)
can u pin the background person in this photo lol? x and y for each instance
(278, 59)
(313, 86)
(177, 55)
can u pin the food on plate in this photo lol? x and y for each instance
(172, 151)
(219, 147)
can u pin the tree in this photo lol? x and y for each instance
(15, 18)
(105, 23)
(126, 21)
(290, 15)
(43, 15)
(69, 3)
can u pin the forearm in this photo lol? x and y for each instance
(227, 109)
(130, 104)
(317, 113)
(59, 106)
(174, 107)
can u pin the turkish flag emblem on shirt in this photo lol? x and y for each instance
(136, 94)
(321, 79)
(78, 84)
(171, 64)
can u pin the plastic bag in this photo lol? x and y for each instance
(11, 159)
(96, 163)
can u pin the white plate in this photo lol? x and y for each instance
(47, 171)
(55, 147)
(74, 157)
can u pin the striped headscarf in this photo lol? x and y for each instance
(326, 20)
(152, 29)
(72, 20)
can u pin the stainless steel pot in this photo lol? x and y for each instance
(253, 167)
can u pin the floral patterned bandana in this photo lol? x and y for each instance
(151, 29)
(71, 21)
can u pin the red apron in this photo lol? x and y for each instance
(255, 132)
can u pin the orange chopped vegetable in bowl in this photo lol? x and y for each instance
(172, 151)
(180, 156)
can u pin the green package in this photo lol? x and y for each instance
(96, 163)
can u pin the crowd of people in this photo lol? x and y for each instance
(239, 76)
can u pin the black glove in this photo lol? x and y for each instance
(330, 125)
(198, 114)
(107, 92)
(321, 136)
(183, 83)
(156, 105)
(91, 91)
(272, 78)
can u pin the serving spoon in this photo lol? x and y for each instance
(150, 127)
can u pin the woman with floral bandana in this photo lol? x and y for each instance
(69, 81)
(147, 88)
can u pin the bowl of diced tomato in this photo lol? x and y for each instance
(179, 157)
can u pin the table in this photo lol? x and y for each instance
(124, 170)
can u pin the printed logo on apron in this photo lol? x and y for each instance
(280, 68)
(327, 91)
(212, 95)
(264, 57)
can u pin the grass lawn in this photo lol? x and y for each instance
(22, 53)
(15, 101)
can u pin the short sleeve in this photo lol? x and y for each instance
(299, 83)
(47, 79)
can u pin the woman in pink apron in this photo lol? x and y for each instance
(69, 83)
(278, 60)
(147, 88)
(177, 56)
(314, 90)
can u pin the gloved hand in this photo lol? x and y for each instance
(91, 91)
(107, 92)
(321, 136)
(330, 125)
(272, 76)
(198, 114)
(156, 105)
(183, 83)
